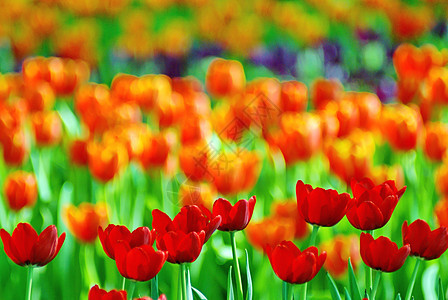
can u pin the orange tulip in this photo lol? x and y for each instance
(298, 138)
(149, 90)
(347, 113)
(155, 150)
(288, 210)
(15, 148)
(351, 157)
(197, 193)
(340, 248)
(39, 97)
(401, 126)
(324, 91)
(20, 190)
(436, 85)
(83, 221)
(441, 179)
(193, 161)
(225, 78)
(380, 174)
(47, 128)
(270, 231)
(294, 96)
(369, 109)
(195, 128)
(106, 160)
(436, 140)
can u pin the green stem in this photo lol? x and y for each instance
(183, 275)
(123, 284)
(369, 271)
(312, 243)
(286, 291)
(29, 283)
(375, 286)
(412, 282)
(155, 288)
(131, 288)
(236, 268)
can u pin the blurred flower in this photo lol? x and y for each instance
(339, 249)
(288, 210)
(20, 190)
(193, 160)
(39, 97)
(347, 114)
(298, 138)
(294, 96)
(441, 212)
(436, 140)
(401, 126)
(47, 128)
(26, 248)
(324, 91)
(380, 174)
(113, 234)
(270, 231)
(15, 148)
(425, 243)
(292, 265)
(225, 78)
(382, 254)
(195, 128)
(319, 206)
(234, 217)
(78, 152)
(140, 263)
(155, 149)
(96, 293)
(369, 109)
(372, 205)
(197, 193)
(441, 179)
(83, 221)
(184, 236)
(106, 160)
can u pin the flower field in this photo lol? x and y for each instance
(239, 150)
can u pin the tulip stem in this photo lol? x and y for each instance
(369, 272)
(312, 243)
(123, 284)
(286, 291)
(236, 268)
(183, 275)
(29, 283)
(412, 282)
(131, 288)
(375, 286)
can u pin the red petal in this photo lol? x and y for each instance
(45, 247)
(141, 236)
(282, 257)
(398, 258)
(417, 236)
(121, 251)
(161, 222)
(304, 268)
(10, 248)
(370, 216)
(239, 215)
(24, 237)
(222, 207)
(96, 293)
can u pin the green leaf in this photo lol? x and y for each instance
(230, 286)
(398, 297)
(198, 293)
(333, 289)
(249, 279)
(429, 279)
(354, 288)
(440, 291)
(347, 295)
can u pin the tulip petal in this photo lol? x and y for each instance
(45, 247)
(24, 237)
(161, 222)
(10, 248)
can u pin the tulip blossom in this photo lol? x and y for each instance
(292, 265)
(270, 231)
(114, 234)
(140, 263)
(184, 236)
(83, 221)
(288, 211)
(235, 217)
(339, 250)
(47, 128)
(26, 248)
(20, 190)
(161, 297)
(382, 254)
(425, 243)
(96, 293)
(372, 205)
(321, 207)
(225, 77)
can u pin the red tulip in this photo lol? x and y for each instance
(425, 243)
(139, 263)
(96, 293)
(161, 297)
(382, 254)
(116, 233)
(26, 247)
(184, 236)
(293, 266)
(372, 206)
(321, 207)
(234, 217)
